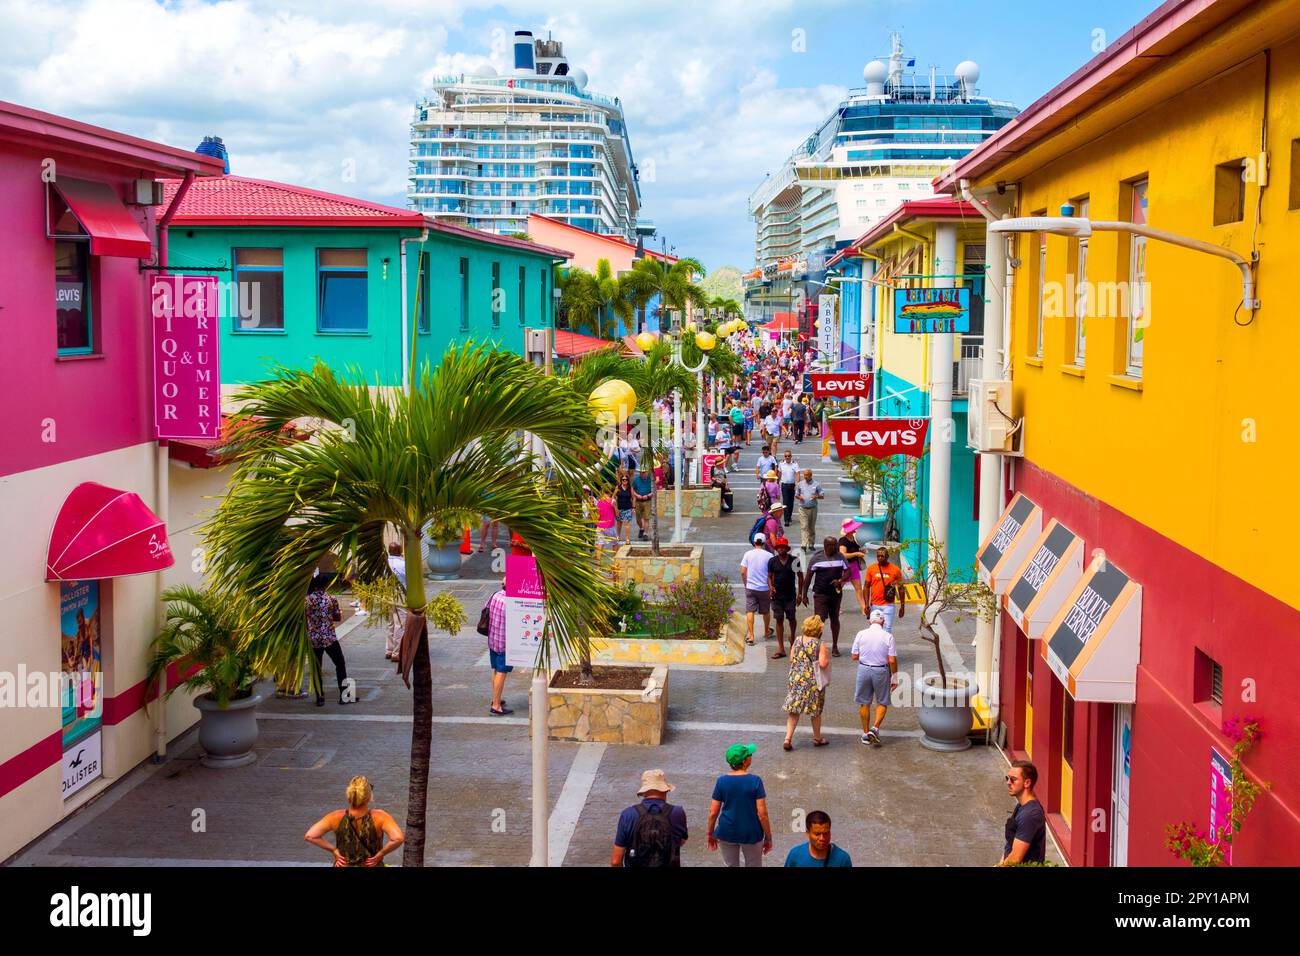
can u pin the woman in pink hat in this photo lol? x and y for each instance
(853, 555)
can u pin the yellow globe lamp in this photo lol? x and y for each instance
(690, 326)
(646, 341)
(705, 341)
(612, 402)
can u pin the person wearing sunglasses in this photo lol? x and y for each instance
(1026, 828)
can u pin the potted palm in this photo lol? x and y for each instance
(204, 638)
(440, 545)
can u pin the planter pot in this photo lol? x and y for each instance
(676, 563)
(945, 713)
(443, 562)
(227, 735)
(609, 716)
(850, 492)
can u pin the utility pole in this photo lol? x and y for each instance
(941, 424)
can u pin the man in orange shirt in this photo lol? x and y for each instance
(886, 582)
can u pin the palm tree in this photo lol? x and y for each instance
(674, 284)
(442, 453)
(611, 293)
(579, 297)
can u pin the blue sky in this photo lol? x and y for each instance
(320, 92)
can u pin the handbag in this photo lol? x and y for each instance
(891, 594)
(485, 619)
(823, 675)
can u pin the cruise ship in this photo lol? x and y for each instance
(489, 149)
(883, 145)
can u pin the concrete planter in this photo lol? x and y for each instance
(677, 563)
(443, 562)
(729, 648)
(701, 501)
(227, 735)
(610, 716)
(873, 520)
(850, 492)
(945, 713)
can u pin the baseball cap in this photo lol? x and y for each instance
(759, 537)
(737, 753)
(781, 543)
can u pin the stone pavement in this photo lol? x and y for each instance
(899, 805)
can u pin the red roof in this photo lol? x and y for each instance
(209, 452)
(782, 322)
(941, 208)
(572, 345)
(600, 235)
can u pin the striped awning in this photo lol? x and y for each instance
(1007, 548)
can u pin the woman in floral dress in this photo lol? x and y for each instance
(809, 674)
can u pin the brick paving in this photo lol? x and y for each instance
(899, 805)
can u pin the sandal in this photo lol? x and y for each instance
(749, 641)
(778, 655)
(787, 746)
(835, 652)
(820, 742)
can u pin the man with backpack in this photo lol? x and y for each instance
(650, 834)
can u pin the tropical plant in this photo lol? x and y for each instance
(1189, 842)
(886, 477)
(673, 283)
(612, 294)
(944, 593)
(444, 449)
(205, 635)
(703, 605)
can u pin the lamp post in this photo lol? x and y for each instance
(676, 359)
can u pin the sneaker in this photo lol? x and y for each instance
(873, 737)
(865, 738)
(499, 713)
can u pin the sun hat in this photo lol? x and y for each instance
(771, 473)
(737, 753)
(654, 780)
(776, 506)
(850, 525)
(781, 543)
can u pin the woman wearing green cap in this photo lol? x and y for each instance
(738, 815)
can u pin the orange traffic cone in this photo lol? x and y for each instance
(465, 546)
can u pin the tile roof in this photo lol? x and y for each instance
(573, 345)
(231, 200)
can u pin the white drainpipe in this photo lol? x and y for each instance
(406, 330)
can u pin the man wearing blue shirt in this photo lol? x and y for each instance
(819, 850)
(651, 833)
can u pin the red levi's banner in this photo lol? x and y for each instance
(841, 384)
(880, 437)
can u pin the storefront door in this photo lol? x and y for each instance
(1029, 699)
(1120, 785)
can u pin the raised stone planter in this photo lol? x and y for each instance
(729, 649)
(676, 563)
(610, 716)
(701, 501)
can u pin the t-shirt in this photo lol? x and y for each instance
(755, 564)
(739, 795)
(1028, 823)
(801, 855)
(737, 416)
(397, 564)
(826, 572)
(874, 645)
(879, 577)
(789, 471)
(766, 463)
(851, 546)
(782, 575)
(773, 425)
(605, 513)
(799, 412)
(642, 485)
(627, 821)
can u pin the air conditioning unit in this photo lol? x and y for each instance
(990, 426)
(148, 192)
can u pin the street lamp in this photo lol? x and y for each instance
(705, 345)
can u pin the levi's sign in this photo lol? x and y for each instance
(932, 311)
(186, 370)
(880, 437)
(841, 384)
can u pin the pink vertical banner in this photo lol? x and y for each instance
(522, 577)
(186, 367)
(1220, 799)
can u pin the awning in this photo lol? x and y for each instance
(782, 322)
(1094, 642)
(105, 533)
(1045, 580)
(113, 230)
(571, 345)
(1006, 549)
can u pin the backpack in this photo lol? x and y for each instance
(485, 619)
(758, 526)
(764, 500)
(653, 842)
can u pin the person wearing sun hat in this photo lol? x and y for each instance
(853, 554)
(772, 527)
(650, 834)
(738, 822)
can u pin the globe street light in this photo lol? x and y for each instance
(676, 358)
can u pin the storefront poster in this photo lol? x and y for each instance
(186, 368)
(81, 686)
(525, 626)
(1220, 799)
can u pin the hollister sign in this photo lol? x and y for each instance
(841, 384)
(186, 370)
(880, 437)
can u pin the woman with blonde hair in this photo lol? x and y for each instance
(358, 831)
(810, 674)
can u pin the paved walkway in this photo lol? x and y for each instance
(899, 805)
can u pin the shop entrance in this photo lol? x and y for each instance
(1119, 787)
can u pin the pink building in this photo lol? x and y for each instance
(79, 225)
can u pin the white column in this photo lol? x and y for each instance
(942, 433)
(866, 318)
(675, 458)
(541, 805)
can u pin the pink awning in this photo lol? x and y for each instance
(105, 533)
(113, 230)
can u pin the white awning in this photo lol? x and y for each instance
(1094, 642)
(1006, 549)
(1048, 576)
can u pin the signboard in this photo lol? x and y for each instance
(708, 462)
(880, 437)
(1220, 799)
(840, 384)
(1082, 619)
(525, 625)
(931, 311)
(81, 686)
(1012, 521)
(186, 370)
(827, 316)
(522, 577)
(1043, 583)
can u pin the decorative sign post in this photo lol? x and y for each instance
(931, 311)
(186, 366)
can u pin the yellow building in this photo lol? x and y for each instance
(1159, 429)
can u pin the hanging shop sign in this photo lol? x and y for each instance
(186, 369)
(1006, 549)
(931, 311)
(880, 437)
(1220, 800)
(1044, 581)
(840, 384)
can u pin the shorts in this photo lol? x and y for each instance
(855, 572)
(759, 601)
(873, 682)
(498, 660)
(625, 515)
(783, 609)
(827, 606)
(642, 510)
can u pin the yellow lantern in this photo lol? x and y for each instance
(613, 402)
(705, 341)
(646, 341)
(690, 326)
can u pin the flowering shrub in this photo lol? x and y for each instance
(1188, 841)
(695, 610)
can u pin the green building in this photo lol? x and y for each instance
(307, 275)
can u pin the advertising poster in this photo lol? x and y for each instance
(82, 685)
(708, 462)
(1220, 799)
(525, 625)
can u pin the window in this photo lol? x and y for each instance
(519, 298)
(422, 291)
(1229, 192)
(259, 290)
(75, 332)
(497, 296)
(1138, 320)
(543, 315)
(1081, 299)
(464, 294)
(1293, 200)
(1040, 258)
(341, 290)
(1207, 680)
